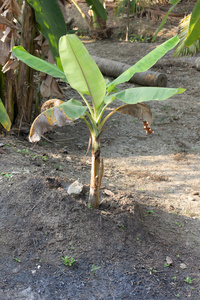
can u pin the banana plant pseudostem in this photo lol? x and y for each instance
(82, 73)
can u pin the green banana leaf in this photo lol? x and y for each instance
(51, 23)
(4, 118)
(142, 94)
(194, 32)
(37, 63)
(60, 115)
(73, 109)
(80, 69)
(98, 8)
(145, 63)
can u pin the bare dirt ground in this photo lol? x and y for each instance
(146, 235)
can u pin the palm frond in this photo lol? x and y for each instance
(181, 49)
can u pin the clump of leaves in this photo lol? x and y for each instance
(178, 224)
(72, 248)
(68, 261)
(7, 175)
(140, 38)
(44, 157)
(82, 73)
(189, 280)
(25, 151)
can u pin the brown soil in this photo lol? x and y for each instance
(150, 192)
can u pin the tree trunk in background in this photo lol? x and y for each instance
(10, 93)
(25, 82)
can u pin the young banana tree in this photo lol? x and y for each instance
(82, 73)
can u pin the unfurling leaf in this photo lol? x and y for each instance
(59, 116)
(140, 111)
